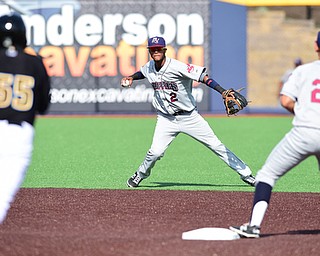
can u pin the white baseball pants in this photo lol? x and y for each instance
(296, 146)
(194, 125)
(16, 145)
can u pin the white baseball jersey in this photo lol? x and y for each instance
(172, 94)
(172, 85)
(304, 84)
(303, 140)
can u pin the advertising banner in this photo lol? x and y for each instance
(88, 46)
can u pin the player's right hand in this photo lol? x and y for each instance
(126, 81)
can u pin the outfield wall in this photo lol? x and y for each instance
(88, 46)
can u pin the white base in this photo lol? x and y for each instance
(210, 234)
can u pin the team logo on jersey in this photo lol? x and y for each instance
(190, 68)
(164, 85)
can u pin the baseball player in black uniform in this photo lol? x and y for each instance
(24, 92)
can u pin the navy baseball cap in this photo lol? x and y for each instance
(318, 39)
(156, 41)
(298, 61)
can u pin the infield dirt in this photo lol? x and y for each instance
(151, 222)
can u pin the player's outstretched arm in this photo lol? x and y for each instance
(127, 81)
(137, 76)
(232, 99)
(213, 84)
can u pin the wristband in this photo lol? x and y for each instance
(211, 83)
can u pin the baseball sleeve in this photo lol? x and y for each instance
(190, 70)
(291, 87)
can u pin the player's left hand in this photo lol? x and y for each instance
(234, 101)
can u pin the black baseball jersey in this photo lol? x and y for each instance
(24, 87)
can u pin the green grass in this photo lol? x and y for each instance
(102, 152)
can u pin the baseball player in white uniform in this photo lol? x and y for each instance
(176, 110)
(300, 95)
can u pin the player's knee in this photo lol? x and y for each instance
(155, 154)
(267, 176)
(217, 146)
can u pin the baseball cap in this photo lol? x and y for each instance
(298, 61)
(156, 41)
(318, 39)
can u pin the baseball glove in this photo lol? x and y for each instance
(233, 101)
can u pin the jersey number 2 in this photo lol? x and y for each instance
(16, 90)
(173, 97)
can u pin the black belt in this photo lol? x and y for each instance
(14, 122)
(182, 112)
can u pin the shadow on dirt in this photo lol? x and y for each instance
(183, 184)
(295, 232)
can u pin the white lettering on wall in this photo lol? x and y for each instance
(163, 22)
(109, 32)
(184, 23)
(89, 29)
(60, 27)
(134, 25)
(37, 24)
(138, 94)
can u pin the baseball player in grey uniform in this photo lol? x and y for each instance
(176, 110)
(300, 95)
(24, 92)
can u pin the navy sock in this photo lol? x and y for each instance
(262, 193)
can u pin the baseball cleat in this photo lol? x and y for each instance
(249, 180)
(134, 180)
(246, 231)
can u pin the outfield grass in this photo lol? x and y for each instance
(102, 152)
